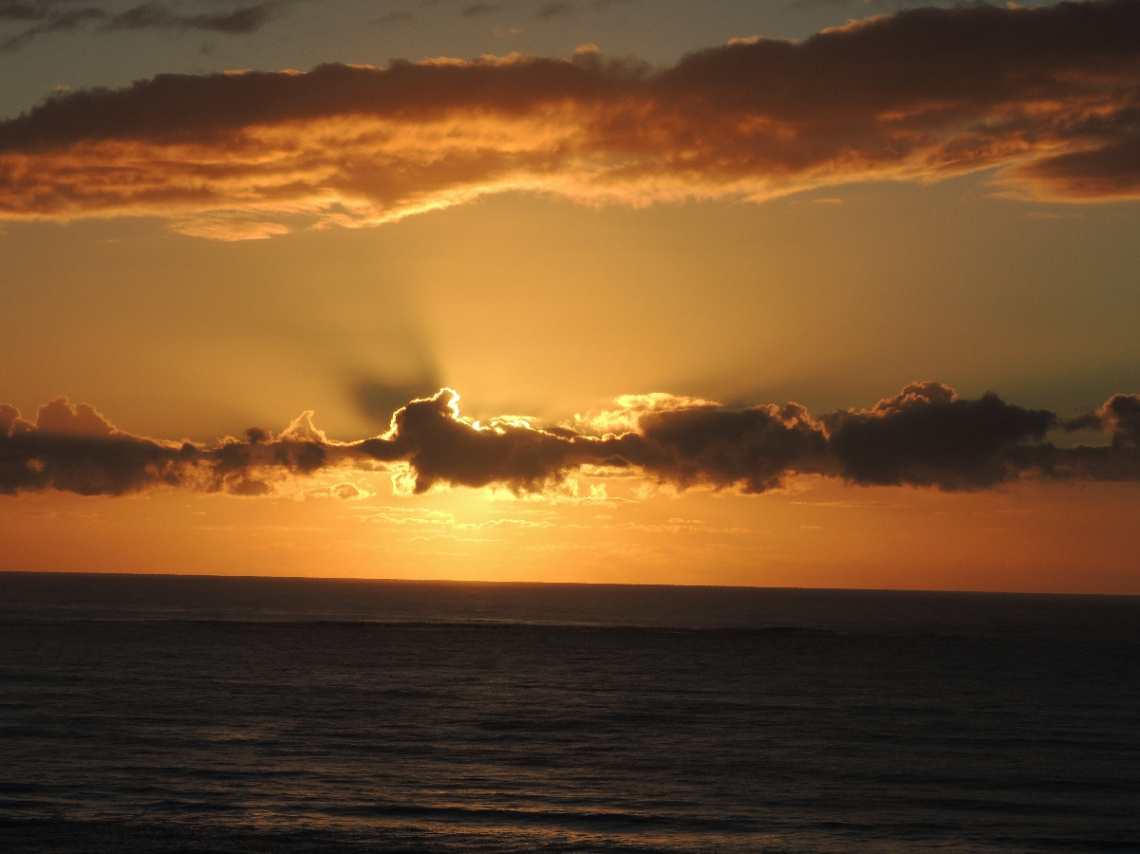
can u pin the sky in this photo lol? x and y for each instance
(796, 293)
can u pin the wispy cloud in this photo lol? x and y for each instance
(925, 436)
(1049, 97)
(45, 17)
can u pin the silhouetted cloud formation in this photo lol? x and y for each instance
(442, 447)
(1048, 96)
(707, 445)
(925, 436)
(1121, 418)
(75, 449)
(45, 17)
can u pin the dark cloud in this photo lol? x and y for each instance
(927, 437)
(247, 19)
(50, 17)
(443, 448)
(47, 20)
(75, 449)
(754, 449)
(1120, 417)
(1049, 97)
(923, 437)
(215, 106)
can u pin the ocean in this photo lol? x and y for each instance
(185, 714)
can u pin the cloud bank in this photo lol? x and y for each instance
(1048, 96)
(925, 436)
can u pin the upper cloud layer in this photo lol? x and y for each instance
(1049, 95)
(39, 18)
(923, 436)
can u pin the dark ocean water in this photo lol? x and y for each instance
(211, 714)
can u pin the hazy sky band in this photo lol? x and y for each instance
(1049, 95)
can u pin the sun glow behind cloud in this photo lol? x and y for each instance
(924, 436)
(511, 498)
(556, 272)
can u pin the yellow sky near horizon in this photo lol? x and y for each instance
(1056, 538)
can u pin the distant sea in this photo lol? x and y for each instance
(184, 714)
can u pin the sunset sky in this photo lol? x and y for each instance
(810, 293)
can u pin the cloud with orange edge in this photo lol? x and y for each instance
(925, 436)
(1047, 97)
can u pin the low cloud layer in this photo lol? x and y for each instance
(925, 436)
(1048, 96)
(76, 449)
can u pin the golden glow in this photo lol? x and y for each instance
(587, 264)
(1052, 538)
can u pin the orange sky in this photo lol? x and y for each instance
(626, 270)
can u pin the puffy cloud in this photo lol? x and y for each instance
(76, 449)
(1050, 96)
(442, 447)
(924, 437)
(755, 449)
(1120, 417)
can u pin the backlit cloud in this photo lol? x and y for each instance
(76, 449)
(925, 436)
(1049, 97)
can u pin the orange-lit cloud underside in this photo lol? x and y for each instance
(1050, 95)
